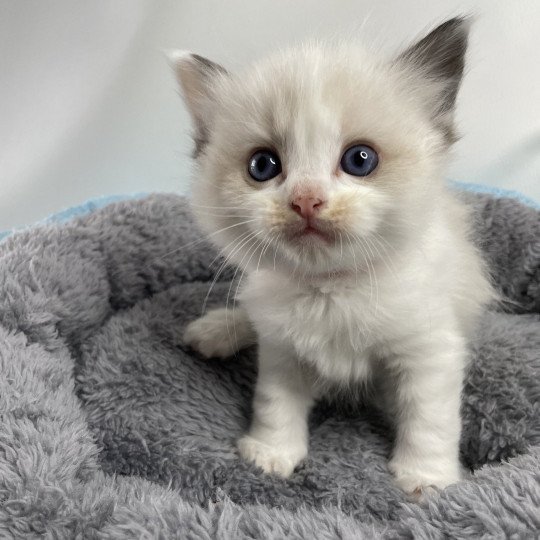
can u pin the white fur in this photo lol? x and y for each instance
(220, 333)
(390, 302)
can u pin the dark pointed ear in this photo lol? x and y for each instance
(439, 58)
(197, 78)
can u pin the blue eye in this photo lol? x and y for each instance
(264, 165)
(359, 160)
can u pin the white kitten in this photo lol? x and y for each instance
(320, 176)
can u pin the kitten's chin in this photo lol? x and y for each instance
(318, 272)
(310, 253)
(311, 236)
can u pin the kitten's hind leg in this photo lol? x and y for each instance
(220, 333)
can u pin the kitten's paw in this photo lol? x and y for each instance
(220, 333)
(280, 461)
(418, 481)
(212, 335)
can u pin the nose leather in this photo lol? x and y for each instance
(307, 206)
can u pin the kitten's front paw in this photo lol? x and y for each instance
(417, 480)
(212, 335)
(271, 459)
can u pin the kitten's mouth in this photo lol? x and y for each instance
(310, 231)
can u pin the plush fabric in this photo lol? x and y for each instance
(111, 428)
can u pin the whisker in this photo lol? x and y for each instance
(253, 237)
(353, 255)
(195, 242)
(370, 269)
(275, 250)
(210, 207)
(385, 241)
(263, 251)
(226, 261)
(242, 216)
(370, 264)
(257, 246)
(387, 261)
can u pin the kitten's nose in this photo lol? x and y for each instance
(307, 206)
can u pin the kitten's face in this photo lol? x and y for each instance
(317, 159)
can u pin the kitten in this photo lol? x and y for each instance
(320, 176)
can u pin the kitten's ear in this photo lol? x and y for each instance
(197, 77)
(439, 58)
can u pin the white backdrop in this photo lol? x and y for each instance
(88, 105)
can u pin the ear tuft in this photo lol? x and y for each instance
(175, 56)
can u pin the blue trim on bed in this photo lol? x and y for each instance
(497, 192)
(89, 206)
(75, 211)
(95, 204)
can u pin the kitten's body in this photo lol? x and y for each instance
(342, 324)
(387, 289)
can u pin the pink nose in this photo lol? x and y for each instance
(307, 206)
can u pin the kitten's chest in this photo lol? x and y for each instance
(334, 331)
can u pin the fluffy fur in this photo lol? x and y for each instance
(387, 295)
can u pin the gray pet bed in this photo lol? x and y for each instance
(111, 428)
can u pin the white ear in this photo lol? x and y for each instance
(197, 77)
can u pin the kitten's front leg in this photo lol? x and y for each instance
(427, 398)
(220, 332)
(278, 438)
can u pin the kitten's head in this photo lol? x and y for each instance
(322, 157)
